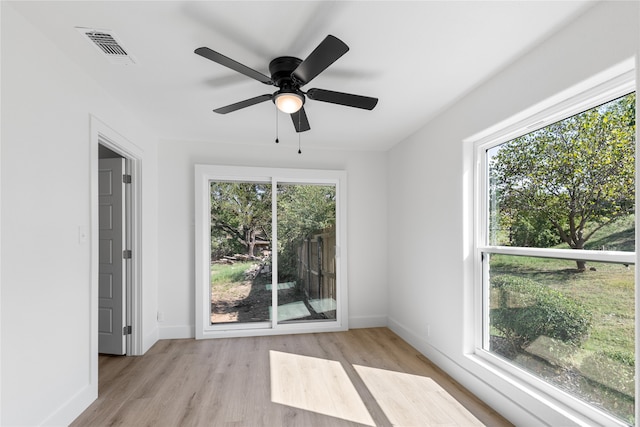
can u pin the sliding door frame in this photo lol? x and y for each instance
(204, 175)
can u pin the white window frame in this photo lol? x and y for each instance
(204, 174)
(609, 85)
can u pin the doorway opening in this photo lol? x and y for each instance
(106, 143)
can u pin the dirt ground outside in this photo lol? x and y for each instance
(246, 301)
(249, 300)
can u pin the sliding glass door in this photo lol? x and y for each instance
(240, 229)
(268, 244)
(306, 252)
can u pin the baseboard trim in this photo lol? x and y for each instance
(188, 331)
(176, 332)
(75, 406)
(149, 341)
(407, 334)
(360, 322)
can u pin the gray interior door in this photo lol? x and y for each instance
(112, 271)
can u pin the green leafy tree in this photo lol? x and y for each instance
(574, 176)
(303, 210)
(240, 216)
(531, 230)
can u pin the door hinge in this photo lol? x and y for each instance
(126, 254)
(126, 179)
(126, 330)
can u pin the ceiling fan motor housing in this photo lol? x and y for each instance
(281, 69)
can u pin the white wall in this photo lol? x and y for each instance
(406, 252)
(46, 335)
(366, 228)
(430, 295)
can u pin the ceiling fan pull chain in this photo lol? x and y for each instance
(277, 140)
(299, 133)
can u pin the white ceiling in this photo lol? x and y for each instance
(417, 57)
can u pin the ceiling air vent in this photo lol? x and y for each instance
(107, 43)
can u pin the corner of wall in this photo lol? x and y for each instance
(361, 322)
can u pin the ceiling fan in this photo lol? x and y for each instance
(289, 74)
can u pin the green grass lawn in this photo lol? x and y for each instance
(228, 274)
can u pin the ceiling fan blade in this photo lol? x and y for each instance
(243, 104)
(327, 52)
(347, 99)
(234, 65)
(300, 121)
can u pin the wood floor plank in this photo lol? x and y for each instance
(348, 378)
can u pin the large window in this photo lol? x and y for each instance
(268, 246)
(556, 252)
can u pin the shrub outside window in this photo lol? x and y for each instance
(557, 251)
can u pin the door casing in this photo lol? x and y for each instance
(102, 134)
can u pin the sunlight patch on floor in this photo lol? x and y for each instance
(316, 385)
(413, 400)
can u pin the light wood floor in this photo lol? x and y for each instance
(354, 378)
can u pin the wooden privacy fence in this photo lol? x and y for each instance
(317, 265)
